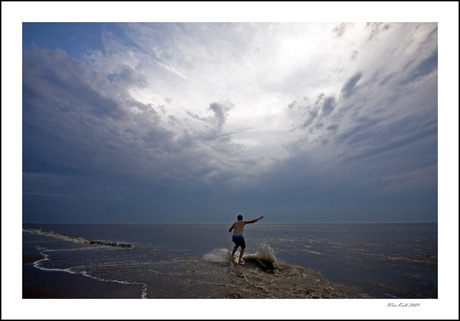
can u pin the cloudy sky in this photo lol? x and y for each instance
(199, 121)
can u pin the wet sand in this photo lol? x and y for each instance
(249, 281)
(31, 258)
(257, 279)
(56, 284)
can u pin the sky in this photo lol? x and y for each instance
(200, 121)
(320, 122)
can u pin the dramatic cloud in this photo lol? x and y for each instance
(196, 121)
(350, 84)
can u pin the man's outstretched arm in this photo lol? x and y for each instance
(255, 220)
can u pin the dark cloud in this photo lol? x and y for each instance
(126, 76)
(393, 144)
(311, 118)
(328, 105)
(73, 122)
(350, 85)
(217, 120)
(67, 83)
(424, 68)
(332, 127)
(220, 113)
(360, 133)
(323, 106)
(214, 137)
(387, 78)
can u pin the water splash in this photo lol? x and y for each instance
(265, 258)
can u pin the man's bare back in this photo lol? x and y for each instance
(238, 226)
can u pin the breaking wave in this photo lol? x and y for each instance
(77, 239)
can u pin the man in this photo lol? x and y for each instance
(238, 238)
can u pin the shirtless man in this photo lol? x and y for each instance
(238, 238)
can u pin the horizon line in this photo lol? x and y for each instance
(229, 222)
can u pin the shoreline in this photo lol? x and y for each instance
(41, 284)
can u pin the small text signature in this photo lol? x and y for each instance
(403, 305)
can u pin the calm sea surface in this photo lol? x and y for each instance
(166, 260)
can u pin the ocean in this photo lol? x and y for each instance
(368, 260)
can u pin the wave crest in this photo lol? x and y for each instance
(77, 239)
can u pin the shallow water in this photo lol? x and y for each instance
(194, 260)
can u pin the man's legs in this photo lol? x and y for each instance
(234, 250)
(241, 255)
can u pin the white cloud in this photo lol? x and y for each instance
(261, 68)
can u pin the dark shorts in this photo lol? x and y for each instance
(239, 241)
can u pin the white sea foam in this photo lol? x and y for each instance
(218, 256)
(76, 239)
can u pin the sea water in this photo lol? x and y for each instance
(194, 261)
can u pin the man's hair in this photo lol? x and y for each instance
(240, 217)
